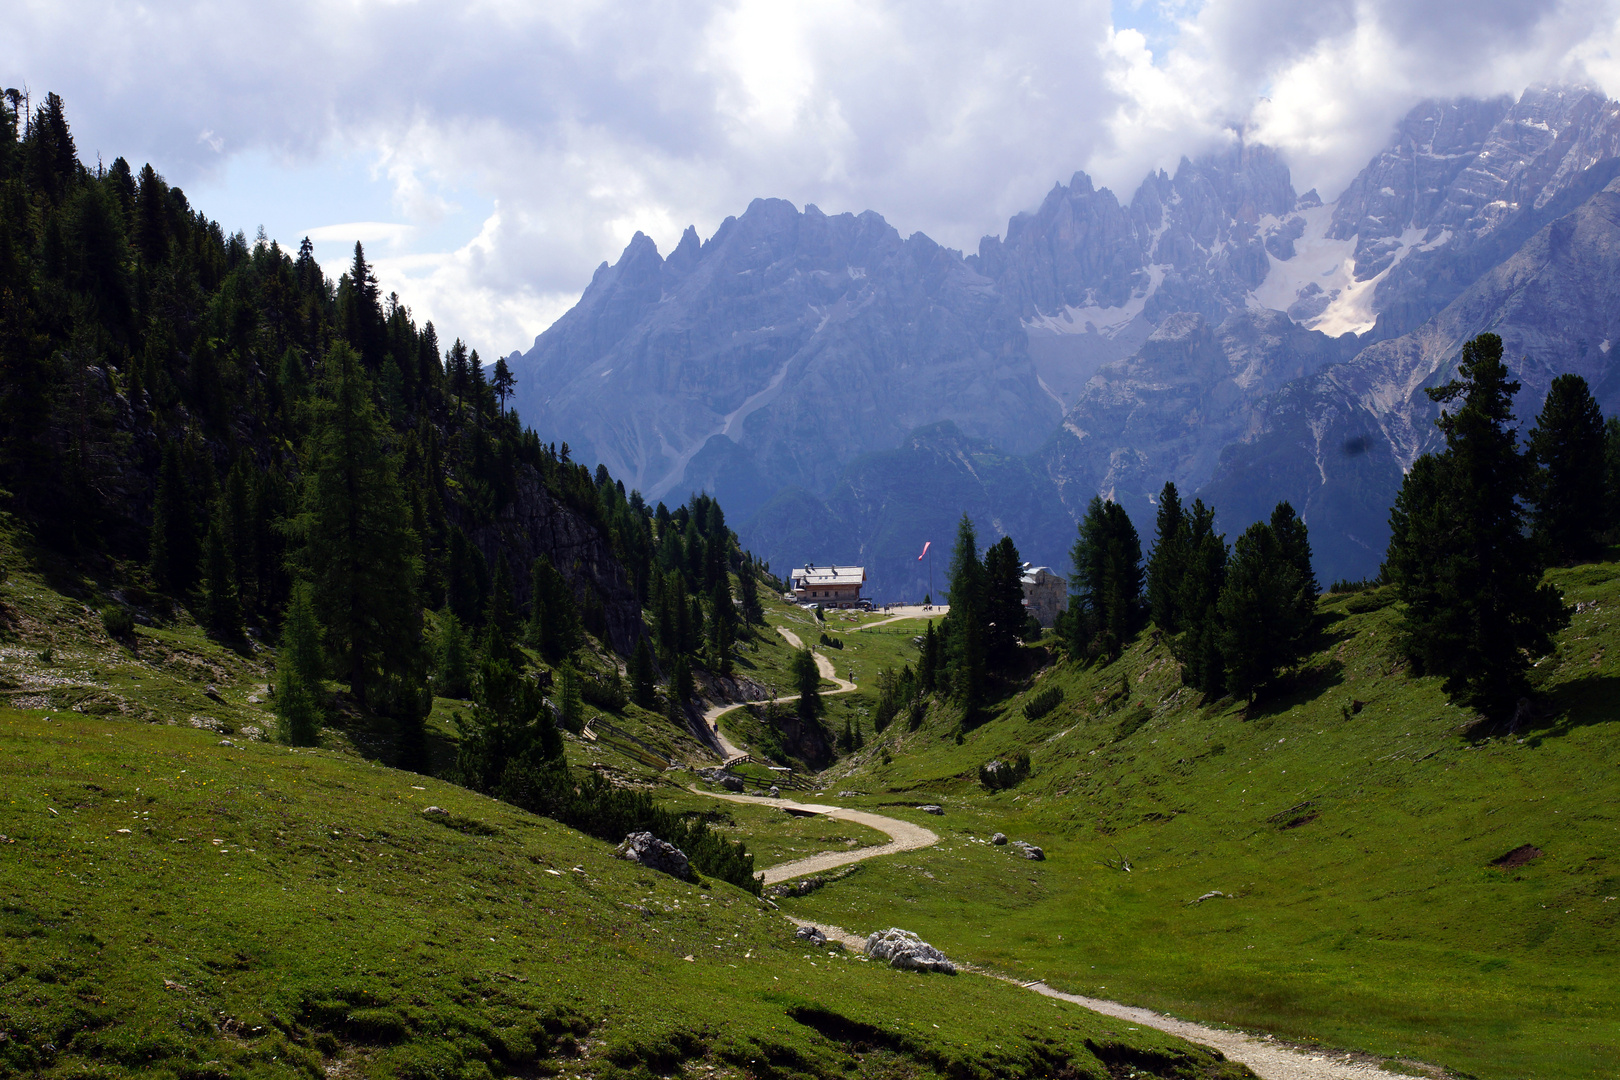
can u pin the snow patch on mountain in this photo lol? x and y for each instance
(1107, 321)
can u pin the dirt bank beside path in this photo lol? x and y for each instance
(904, 836)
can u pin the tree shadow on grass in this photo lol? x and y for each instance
(1296, 688)
(1582, 703)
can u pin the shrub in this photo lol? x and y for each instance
(118, 621)
(606, 692)
(997, 775)
(1043, 703)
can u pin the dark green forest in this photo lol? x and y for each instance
(207, 425)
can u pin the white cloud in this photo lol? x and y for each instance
(545, 135)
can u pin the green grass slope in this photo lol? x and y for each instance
(172, 905)
(1354, 823)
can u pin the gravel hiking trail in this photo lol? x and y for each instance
(1268, 1058)
(903, 835)
(731, 753)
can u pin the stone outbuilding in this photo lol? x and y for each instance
(1045, 594)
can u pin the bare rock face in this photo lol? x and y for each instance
(748, 337)
(536, 523)
(647, 850)
(907, 952)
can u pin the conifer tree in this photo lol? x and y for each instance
(1197, 645)
(1567, 483)
(570, 700)
(453, 658)
(509, 735)
(1262, 621)
(1470, 577)
(299, 670)
(503, 382)
(1107, 594)
(642, 681)
(222, 608)
(807, 684)
(1168, 561)
(175, 547)
(1004, 601)
(722, 626)
(928, 663)
(357, 547)
(965, 651)
(748, 588)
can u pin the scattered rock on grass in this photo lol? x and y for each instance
(812, 935)
(1029, 851)
(998, 839)
(932, 809)
(907, 952)
(645, 849)
(435, 811)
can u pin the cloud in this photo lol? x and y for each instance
(568, 126)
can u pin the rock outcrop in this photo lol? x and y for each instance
(647, 850)
(907, 952)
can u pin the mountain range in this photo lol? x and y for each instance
(847, 392)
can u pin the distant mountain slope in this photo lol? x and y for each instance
(1335, 443)
(888, 504)
(1122, 344)
(802, 338)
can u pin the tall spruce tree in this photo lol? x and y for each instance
(1467, 572)
(1197, 645)
(357, 548)
(175, 547)
(1263, 624)
(722, 626)
(1168, 562)
(221, 607)
(965, 644)
(1107, 597)
(643, 684)
(1004, 612)
(807, 684)
(300, 697)
(748, 589)
(1567, 483)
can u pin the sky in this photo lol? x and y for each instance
(490, 154)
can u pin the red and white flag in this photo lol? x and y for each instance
(924, 550)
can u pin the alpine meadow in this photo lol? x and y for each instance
(369, 709)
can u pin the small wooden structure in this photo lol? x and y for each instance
(829, 586)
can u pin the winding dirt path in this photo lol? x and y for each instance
(903, 836)
(711, 716)
(1269, 1059)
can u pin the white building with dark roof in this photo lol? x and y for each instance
(829, 586)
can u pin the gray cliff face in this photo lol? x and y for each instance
(1336, 443)
(1167, 411)
(535, 523)
(801, 339)
(1090, 279)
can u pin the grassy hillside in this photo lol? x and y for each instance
(172, 905)
(180, 898)
(1361, 830)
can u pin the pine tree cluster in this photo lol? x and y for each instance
(293, 458)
